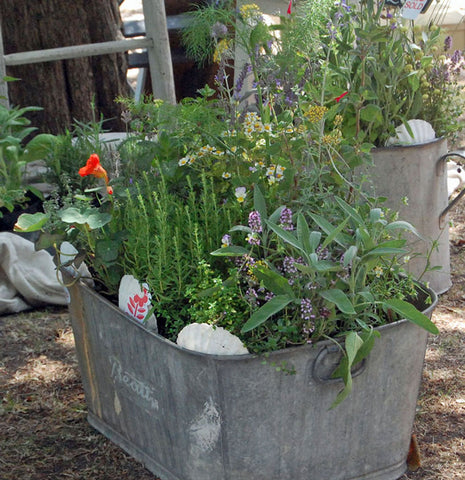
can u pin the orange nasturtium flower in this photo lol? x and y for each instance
(94, 168)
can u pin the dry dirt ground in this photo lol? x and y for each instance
(45, 435)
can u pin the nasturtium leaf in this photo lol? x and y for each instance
(107, 250)
(28, 222)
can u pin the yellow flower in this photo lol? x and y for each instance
(250, 10)
(315, 113)
(338, 120)
(222, 47)
(240, 193)
(334, 138)
(378, 271)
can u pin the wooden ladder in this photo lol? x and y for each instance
(156, 42)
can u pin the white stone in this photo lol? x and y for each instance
(422, 133)
(68, 253)
(205, 338)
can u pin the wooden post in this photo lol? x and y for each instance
(161, 66)
(3, 85)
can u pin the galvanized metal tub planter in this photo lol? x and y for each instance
(417, 174)
(192, 416)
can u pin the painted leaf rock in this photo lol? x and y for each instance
(205, 338)
(134, 299)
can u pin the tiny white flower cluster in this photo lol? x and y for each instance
(253, 124)
(275, 173)
(205, 150)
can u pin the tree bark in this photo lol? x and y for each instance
(80, 89)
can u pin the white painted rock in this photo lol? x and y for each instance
(67, 252)
(134, 299)
(205, 338)
(422, 133)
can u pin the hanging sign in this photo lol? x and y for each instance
(421, 5)
(412, 8)
(394, 3)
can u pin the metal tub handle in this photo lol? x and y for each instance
(319, 367)
(439, 170)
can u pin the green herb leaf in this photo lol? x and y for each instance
(408, 311)
(275, 305)
(349, 255)
(273, 281)
(231, 251)
(288, 237)
(259, 202)
(340, 299)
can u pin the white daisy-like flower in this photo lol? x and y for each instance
(270, 170)
(248, 130)
(272, 180)
(226, 175)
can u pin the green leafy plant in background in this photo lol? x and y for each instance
(381, 70)
(16, 152)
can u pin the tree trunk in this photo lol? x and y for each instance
(66, 90)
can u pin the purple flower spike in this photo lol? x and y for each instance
(255, 222)
(285, 219)
(447, 43)
(306, 309)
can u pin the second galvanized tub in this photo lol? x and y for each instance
(415, 173)
(191, 416)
